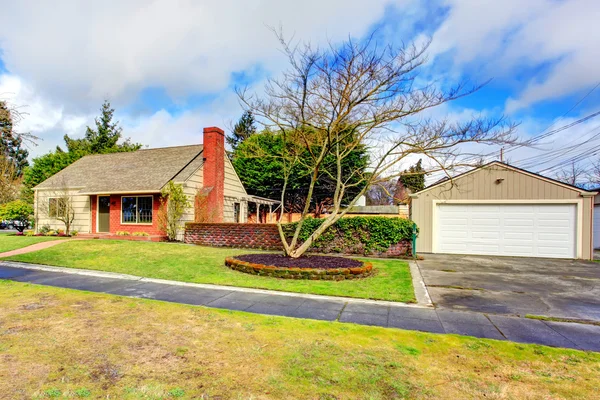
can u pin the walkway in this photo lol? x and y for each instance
(365, 312)
(34, 247)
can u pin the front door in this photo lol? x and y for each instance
(103, 213)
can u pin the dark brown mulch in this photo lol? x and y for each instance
(320, 262)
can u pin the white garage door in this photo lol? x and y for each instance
(507, 230)
(597, 226)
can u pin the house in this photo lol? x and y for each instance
(498, 209)
(120, 192)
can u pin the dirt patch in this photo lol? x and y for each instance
(314, 262)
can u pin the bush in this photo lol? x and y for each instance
(51, 233)
(74, 233)
(29, 233)
(140, 234)
(362, 234)
(122, 233)
(44, 229)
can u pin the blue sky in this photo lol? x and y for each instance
(170, 68)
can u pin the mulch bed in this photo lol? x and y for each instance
(316, 262)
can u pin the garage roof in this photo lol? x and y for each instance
(504, 165)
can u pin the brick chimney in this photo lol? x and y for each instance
(214, 172)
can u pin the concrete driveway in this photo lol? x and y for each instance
(514, 285)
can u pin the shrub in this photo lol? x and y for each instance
(367, 234)
(140, 234)
(173, 203)
(51, 233)
(44, 229)
(122, 233)
(74, 233)
(29, 233)
(60, 231)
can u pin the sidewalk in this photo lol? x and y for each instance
(359, 311)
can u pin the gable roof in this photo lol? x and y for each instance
(510, 167)
(146, 170)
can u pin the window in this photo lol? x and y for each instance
(56, 207)
(136, 210)
(236, 212)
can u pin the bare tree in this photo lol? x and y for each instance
(360, 93)
(573, 175)
(10, 183)
(381, 193)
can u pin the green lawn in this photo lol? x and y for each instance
(187, 263)
(67, 344)
(11, 242)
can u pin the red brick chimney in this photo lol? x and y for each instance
(214, 172)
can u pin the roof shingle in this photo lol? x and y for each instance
(142, 170)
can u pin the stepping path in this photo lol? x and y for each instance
(34, 247)
(328, 308)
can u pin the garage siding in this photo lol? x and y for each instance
(482, 185)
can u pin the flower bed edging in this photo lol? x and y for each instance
(338, 274)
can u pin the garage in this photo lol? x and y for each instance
(596, 225)
(528, 230)
(501, 210)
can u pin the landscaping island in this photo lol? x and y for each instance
(305, 267)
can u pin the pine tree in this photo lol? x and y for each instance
(242, 130)
(412, 180)
(11, 145)
(103, 139)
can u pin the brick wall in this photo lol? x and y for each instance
(115, 216)
(260, 236)
(254, 236)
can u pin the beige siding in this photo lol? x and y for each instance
(190, 188)
(234, 193)
(484, 184)
(81, 204)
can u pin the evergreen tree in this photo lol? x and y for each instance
(412, 180)
(242, 130)
(11, 145)
(104, 139)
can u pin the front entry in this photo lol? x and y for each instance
(103, 213)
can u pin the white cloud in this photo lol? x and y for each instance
(80, 52)
(501, 37)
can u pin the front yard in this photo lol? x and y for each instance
(68, 344)
(197, 264)
(10, 242)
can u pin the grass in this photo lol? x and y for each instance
(391, 281)
(63, 343)
(558, 319)
(10, 242)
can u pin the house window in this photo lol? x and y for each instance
(136, 210)
(56, 207)
(236, 212)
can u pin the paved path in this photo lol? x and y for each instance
(34, 247)
(365, 312)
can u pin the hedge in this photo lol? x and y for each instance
(367, 234)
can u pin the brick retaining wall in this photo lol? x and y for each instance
(263, 236)
(253, 236)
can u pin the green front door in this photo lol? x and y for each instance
(103, 213)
